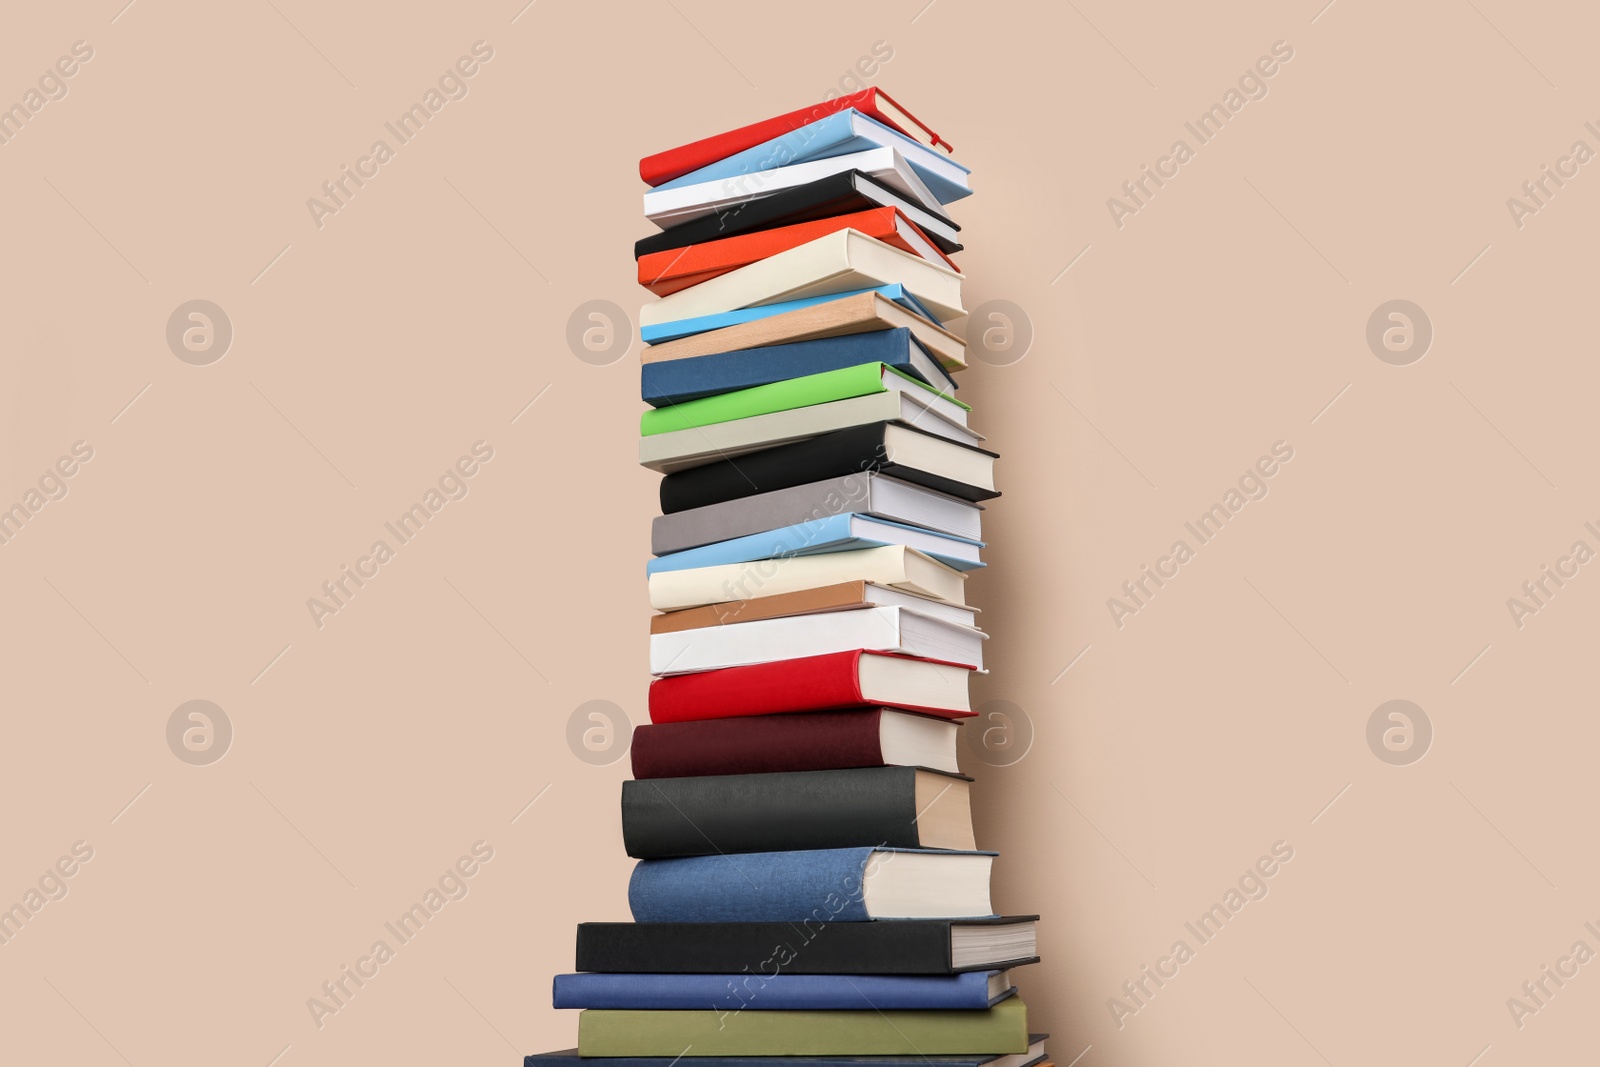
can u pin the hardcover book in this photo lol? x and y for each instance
(836, 194)
(892, 565)
(836, 533)
(809, 391)
(972, 991)
(838, 134)
(844, 596)
(816, 946)
(673, 270)
(879, 629)
(898, 807)
(676, 162)
(798, 741)
(817, 683)
(685, 203)
(844, 261)
(835, 317)
(908, 453)
(675, 381)
(1002, 1028)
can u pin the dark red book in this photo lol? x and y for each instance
(814, 683)
(802, 741)
(874, 102)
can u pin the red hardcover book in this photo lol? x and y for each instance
(802, 741)
(676, 162)
(856, 679)
(680, 268)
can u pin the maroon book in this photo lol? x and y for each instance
(800, 741)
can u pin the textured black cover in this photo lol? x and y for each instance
(822, 199)
(830, 455)
(893, 946)
(705, 816)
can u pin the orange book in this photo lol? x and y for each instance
(679, 268)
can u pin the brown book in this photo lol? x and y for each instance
(862, 313)
(844, 596)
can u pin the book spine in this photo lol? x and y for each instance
(824, 885)
(809, 684)
(804, 741)
(807, 810)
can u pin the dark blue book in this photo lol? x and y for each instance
(818, 885)
(570, 1058)
(972, 991)
(674, 381)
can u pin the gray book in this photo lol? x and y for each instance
(866, 493)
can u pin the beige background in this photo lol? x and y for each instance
(1226, 315)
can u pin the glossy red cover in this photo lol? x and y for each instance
(812, 683)
(676, 162)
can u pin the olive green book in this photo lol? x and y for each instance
(998, 1030)
(824, 388)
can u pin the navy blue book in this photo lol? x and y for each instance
(570, 1058)
(972, 991)
(819, 885)
(674, 381)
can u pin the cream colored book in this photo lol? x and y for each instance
(862, 313)
(678, 450)
(895, 566)
(839, 262)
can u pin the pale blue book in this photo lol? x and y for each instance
(836, 533)
(671, 331)
(837, 135)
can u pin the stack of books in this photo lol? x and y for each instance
(808, 882)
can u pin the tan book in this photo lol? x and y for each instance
(845, 596)
(862, 313)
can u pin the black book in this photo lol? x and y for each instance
(837, 194)
(820, 946)
(892, 448)
(887, 807)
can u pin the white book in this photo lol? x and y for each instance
(840, 262)
(671, 207)
(885, 629)
(696, 446)
(895, 566)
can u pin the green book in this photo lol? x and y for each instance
(999, 1030)
(803, 392)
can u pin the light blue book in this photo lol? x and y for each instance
(836, 135)
(836, 533)
(671, 331)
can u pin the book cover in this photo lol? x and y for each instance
(831, 455)
(670, 271)
(781, 992)
(901, 946)
(816, 683)
(659, 333)
(806, 810)
(676, 162)
(841, 133)
(806, 391)
(676, 381)
(1000, 1029)
(836, 194)
(762, 744)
